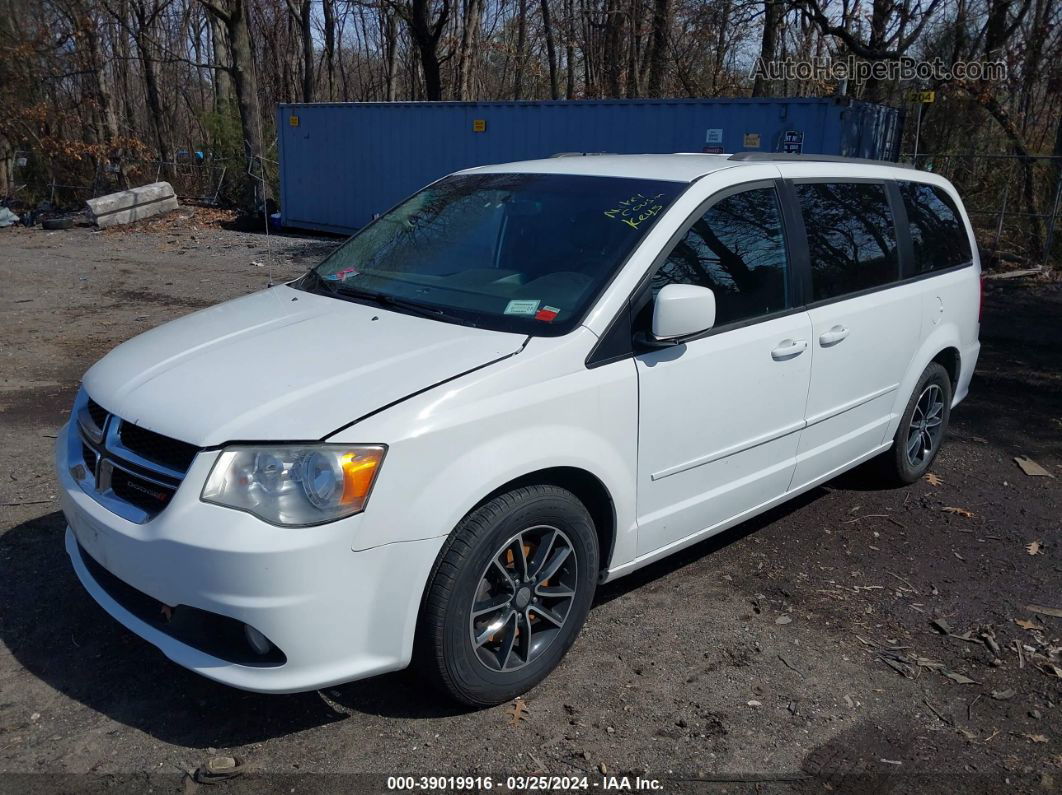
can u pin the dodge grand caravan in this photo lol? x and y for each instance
(523, 381)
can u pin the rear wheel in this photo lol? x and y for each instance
(921, 429)
(508, 595)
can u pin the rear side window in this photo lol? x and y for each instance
(851, 236)
(737, 248)
(938, 234)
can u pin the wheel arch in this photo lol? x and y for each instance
(586, 487)
(951, 360)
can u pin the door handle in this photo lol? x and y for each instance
(787, 349)
(833, 336)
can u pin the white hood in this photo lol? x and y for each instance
(282, 365)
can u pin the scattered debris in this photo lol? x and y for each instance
(1035, 738)
(219, 768)
(958, 678)
(933, 479)
(789, 665)
(965, 514)
(126, 206)
(783, 619)
(1031, 468)
(1035, 547)
(1045, 611)
(941, 626)
(518, 712)
(1002, 695)
(1025, 623)
(934, 710)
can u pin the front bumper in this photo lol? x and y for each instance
(337, 615)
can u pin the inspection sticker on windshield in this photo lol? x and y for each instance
(547, 314)
(343, 275)
(522, 307)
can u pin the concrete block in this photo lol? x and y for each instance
(126, 206)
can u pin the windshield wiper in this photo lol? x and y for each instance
(386, 300)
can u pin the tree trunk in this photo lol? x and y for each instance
(521, 47)
(390, 36)
(258, 193)
(551, 51)
(222, 78)
(301, 15)
(426, 34)
(328, 10)
(469, 36)
(658, 47)
(613, 48)
(772, 18)
(569, 53)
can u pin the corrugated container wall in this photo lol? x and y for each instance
(342, 163)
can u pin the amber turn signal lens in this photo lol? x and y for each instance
(359, 471)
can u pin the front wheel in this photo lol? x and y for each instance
(921, 430)
(508, 595)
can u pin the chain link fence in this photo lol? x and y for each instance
(1014, 204)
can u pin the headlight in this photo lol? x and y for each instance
(294, 485)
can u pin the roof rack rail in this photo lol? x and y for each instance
(784, 157)
(581, 154)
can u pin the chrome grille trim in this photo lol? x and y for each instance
(110, 455)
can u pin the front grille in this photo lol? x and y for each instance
(89, 456)
(97, 412)
(142, 493)
(156, 447)
(133, 471)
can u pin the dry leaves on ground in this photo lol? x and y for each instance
(518, 712)
(965, 514)
(933, 479)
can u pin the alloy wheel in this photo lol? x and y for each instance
(523, 598)
(927, 426)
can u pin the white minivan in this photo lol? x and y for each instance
(523, 381)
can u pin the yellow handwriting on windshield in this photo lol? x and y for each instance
(636, 210)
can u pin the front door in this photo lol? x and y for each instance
(720, 416)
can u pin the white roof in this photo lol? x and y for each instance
(682, 167)
(675, 168)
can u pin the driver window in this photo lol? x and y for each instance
(737, 248)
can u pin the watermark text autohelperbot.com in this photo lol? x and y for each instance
(857, 70)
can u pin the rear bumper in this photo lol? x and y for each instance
(335, 614)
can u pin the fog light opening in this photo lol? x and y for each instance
(259, 642)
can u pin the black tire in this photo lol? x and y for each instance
(466, 572)
(55, 224)
(895, 465)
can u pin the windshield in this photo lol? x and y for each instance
(512, 252)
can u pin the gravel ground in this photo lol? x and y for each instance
(793, 652)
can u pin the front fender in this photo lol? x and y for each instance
(451, 446)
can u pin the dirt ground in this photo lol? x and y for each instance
(795, 652)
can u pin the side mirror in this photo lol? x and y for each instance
(681, 310)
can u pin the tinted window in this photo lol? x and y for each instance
(517, 252)
(937, 231)
(738, 250)
(851, 236)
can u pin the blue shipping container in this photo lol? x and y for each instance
(341, 163)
